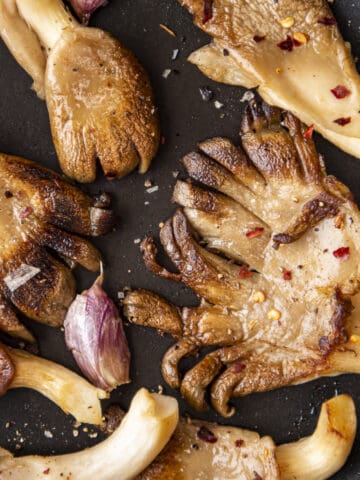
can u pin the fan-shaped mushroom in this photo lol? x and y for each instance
(99, 97)
(284, 315)
(201, 450)
(38, 210)
(292, 52)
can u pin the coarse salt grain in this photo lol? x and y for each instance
(166, 73)
(153, 189)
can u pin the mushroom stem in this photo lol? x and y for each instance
(320, 455)
(48, 18)
(142, 434)
(72, 393)
(23, 44)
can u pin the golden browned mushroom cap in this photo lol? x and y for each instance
(292, 52)
(41, 212)
(277, 299)
(99, 97)
(100, 105)
(201, 450)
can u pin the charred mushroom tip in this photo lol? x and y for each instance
(102, 221)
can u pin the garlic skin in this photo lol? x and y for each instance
(85, 8)
(94, 333)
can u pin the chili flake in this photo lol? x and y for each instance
(286, 44)
(287, 274)
(300, 38)
(244, 272)
(259, 38)
(208, 10)
(8, 194)
(206, 435)
(327, 21)
(238, 367)
(309, 132)
(342, 253)
(25, 212)
(340, 91)
(47, 471)
(255, 233)
(239, 442)
(355, 339)
(342, 121)
(287, 22)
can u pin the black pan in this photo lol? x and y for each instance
(286, 414)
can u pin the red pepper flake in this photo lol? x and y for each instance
(257, 476)
(207, 435)
(239, 443)
(287, 274)
(8, 194)
(255, 233)
(47, 471)
(342, 253)
(340, 91)
(244, 272)
(259, 38)
(238, 367)
(309, 132)
(327, 21)
(25, 212)
(286, 44)
(343, 121)
(208, 10)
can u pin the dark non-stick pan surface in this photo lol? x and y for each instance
(29, 423)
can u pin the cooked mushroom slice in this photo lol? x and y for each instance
(23, 44)
(238, 453)
(277, 302)
(38, 210)
(99, 97)
(292, 52)
(6, 370)
(72, 393)
(142, 434)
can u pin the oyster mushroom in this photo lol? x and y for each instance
(277, 302)
(73, 394)
(39, 209)
(201, 450)
(142, 434)
(292, 52)
(98, 96)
